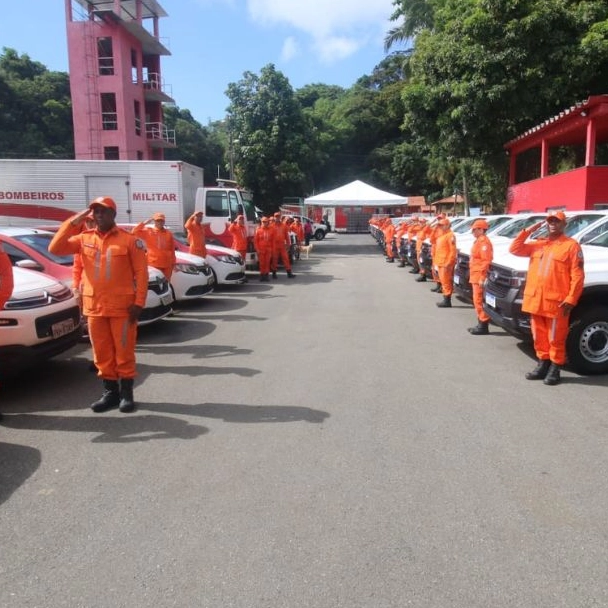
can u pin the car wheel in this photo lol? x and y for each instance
(587, 343)
(216, 285)
(319, 234)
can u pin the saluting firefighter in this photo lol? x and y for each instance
(195, 232)
(159, 243)
(554, 285)
(114, 289)
(480, 259)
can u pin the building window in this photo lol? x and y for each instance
(105, 56)
(109, 118)
(140, 155)
(134, 78)
(111, 153)
(137, 110)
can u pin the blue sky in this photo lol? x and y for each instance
(214, 41)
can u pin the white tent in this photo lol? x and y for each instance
(357, 194)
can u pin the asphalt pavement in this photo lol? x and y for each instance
(331, 441)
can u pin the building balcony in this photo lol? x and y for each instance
(156, 90)
(159, 136)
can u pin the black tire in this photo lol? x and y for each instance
(587, 343)
(319, 234)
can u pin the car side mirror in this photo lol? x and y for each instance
(30, 264)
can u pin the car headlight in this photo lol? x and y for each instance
(517, 279)
(226, 258)
(187, 268)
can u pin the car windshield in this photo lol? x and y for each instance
(40, 243)
(512, 229)
(464, 226)
(574, 225)
(181, 237)
(600, 241)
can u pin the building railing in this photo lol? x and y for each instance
(154, 82)
(157, 131)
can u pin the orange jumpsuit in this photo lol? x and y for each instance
(6, 278)
(482, 253)
(239, 238)
(445, 259)
(299, 231)
(435, 234)
(263, 242)
(389, 234)
(555, 276)
(196, 237)
(114, 277)
(160, 246)
(281, 244)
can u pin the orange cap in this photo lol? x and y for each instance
(558, 215)
(103, 201)
(159, 216)
(483, 224)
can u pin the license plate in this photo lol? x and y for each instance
(456, 279)
(490, 300)
(62, 328)
(166, 299)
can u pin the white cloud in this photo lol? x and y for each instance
(290, 49)
(338, 28)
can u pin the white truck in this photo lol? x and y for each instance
(34, 192)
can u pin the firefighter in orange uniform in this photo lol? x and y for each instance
(281, 244)
(238, 230)
(263, 242)
(195, 231)
(444, 260)
(480, 259)
(389, 235)
(554, 285)
(436, 231)
(159, 243)
(298, 229)
(115, 284)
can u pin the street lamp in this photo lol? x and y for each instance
(456, 193)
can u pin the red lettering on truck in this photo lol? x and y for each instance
(8, 195)
(155, 197)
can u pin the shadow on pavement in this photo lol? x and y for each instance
(17, 463)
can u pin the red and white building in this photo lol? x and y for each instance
(563, 162)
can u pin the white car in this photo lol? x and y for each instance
(227, 265)
(40, 320)
(158, 299)
(192, 277)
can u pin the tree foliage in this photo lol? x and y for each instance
(35, 109)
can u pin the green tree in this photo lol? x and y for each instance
(271, 137)
(35, 109)
(197, 145)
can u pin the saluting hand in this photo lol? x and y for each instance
(79, 218)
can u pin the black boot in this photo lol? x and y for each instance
(437, 288)
(274, 274)
(109, 399)
(552, 378)
(390, 260)
(540, 371)
(290, 275)
(421, 278)
(413, 271)
(445, 303)
(401, 264)
(126, 395)
(481, 329)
